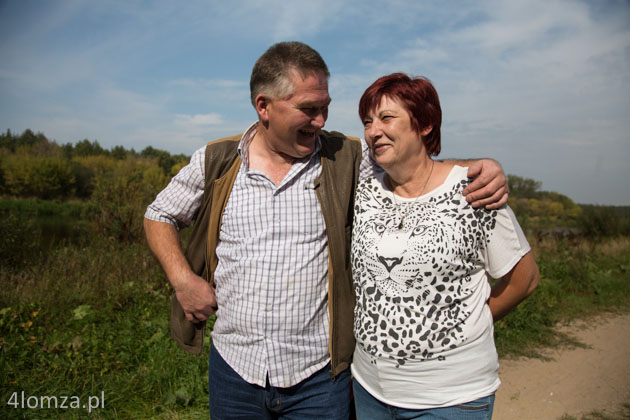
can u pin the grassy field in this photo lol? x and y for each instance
(579, 278)
(87, 317)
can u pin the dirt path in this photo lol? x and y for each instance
(576, 381)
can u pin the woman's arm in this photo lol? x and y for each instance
(514, 287)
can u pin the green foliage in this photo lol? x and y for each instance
(599, 222)
(122, 195)
(37, 176)
(541, 212)
(26, 139)
(30, 227)
(546, 213)
(33, 166)
(523, 187)
(165, 160)
(88, 314)
(578, 278)
(34, 208)
(88, 148)
(95, 318)
(20, 240)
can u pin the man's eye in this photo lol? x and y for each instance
(314, 110)
(366, 122)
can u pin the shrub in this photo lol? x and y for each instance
(44, 177)
(122, 194)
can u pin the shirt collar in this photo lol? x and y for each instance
(248, 136)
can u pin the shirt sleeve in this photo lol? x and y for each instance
(506, 243)
(178, 203)
(368, 166)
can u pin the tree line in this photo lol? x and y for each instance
(120, 182)
(550, 213)
(116, 184)
(31, 165)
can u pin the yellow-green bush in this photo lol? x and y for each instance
(121, 195)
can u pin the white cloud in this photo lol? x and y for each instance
(543, 85)
(207, 83)
(205, 120)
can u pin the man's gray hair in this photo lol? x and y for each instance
(271, 73)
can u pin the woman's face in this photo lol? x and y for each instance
(390, 136)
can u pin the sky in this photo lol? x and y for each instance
(542, 86)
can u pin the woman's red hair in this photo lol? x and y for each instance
(417, 95)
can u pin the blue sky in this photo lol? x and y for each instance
(543, 86)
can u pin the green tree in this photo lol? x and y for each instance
(523, 187)
(88, 148)
(122, 194)
(598, 222)
(26, 139)
(119, 152)
(541, 211)
(165, 160)
(43, 177)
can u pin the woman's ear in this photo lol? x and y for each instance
(426, 130)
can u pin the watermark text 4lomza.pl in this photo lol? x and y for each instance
(19, 399)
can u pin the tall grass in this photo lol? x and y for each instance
(81, 320)
(91, 316)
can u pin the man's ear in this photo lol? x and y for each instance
(262, 103)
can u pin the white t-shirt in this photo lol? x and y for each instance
(424, 331)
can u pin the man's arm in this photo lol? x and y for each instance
(489, 187)
(514, 287)
(194, 294)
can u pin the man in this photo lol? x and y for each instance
(273, 215)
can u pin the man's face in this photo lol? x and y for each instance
(294, 122)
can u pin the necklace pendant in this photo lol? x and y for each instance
(400, 225)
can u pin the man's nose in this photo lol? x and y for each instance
(319, 119)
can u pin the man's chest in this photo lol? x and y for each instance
(257, 209)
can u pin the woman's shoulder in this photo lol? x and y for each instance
(461, 172)
(454, 183)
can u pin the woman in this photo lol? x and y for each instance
(421, 257)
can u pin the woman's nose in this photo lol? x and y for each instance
(373, 131)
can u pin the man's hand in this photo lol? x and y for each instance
(197, 298)
(489, 187)
(194, 294)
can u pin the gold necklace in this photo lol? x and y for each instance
(397, 206)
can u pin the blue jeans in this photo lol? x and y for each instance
(317, 397)
(369, 408)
